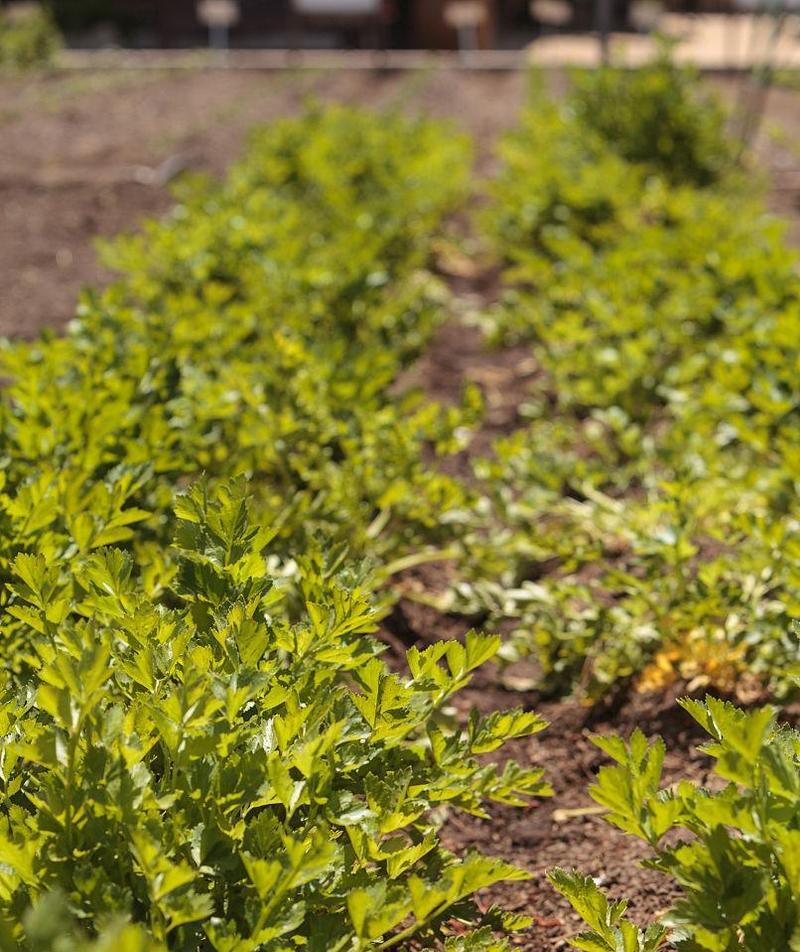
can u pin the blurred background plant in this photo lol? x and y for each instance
(660, 115)
(29, 36)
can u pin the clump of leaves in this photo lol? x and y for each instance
(659, 115)
(733, 848)
(609, 930)
(28, 36)
(261, 329)
(645, 517)
(226, 778)
(613, 573)
(561, 193)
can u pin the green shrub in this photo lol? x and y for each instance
(608, 570)
(648, 316)
(28, 36)
(733, 849)
(202, 749)
(561, 194)
(260, 330)
(230, 778)
(659, 116)
(648, 531)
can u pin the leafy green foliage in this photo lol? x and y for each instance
(226, 777)
(608, 930)
(260, 330)
(561, 191)
(659, 116)
(668, 297)
(736, 860)
(28, 37)
(690, 579)
(201, 747)
(646, 516)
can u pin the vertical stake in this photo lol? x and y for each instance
(604, 15)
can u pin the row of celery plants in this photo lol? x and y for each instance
(201, 747)
(259, 330)
(649, 507)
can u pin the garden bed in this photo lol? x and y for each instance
(90, 157)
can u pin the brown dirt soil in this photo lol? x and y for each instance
(565, 829)
(88, 156)
(555, 831)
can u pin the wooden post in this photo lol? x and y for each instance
(604, 16)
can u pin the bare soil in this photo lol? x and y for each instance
(565, 830)
(90, 155)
